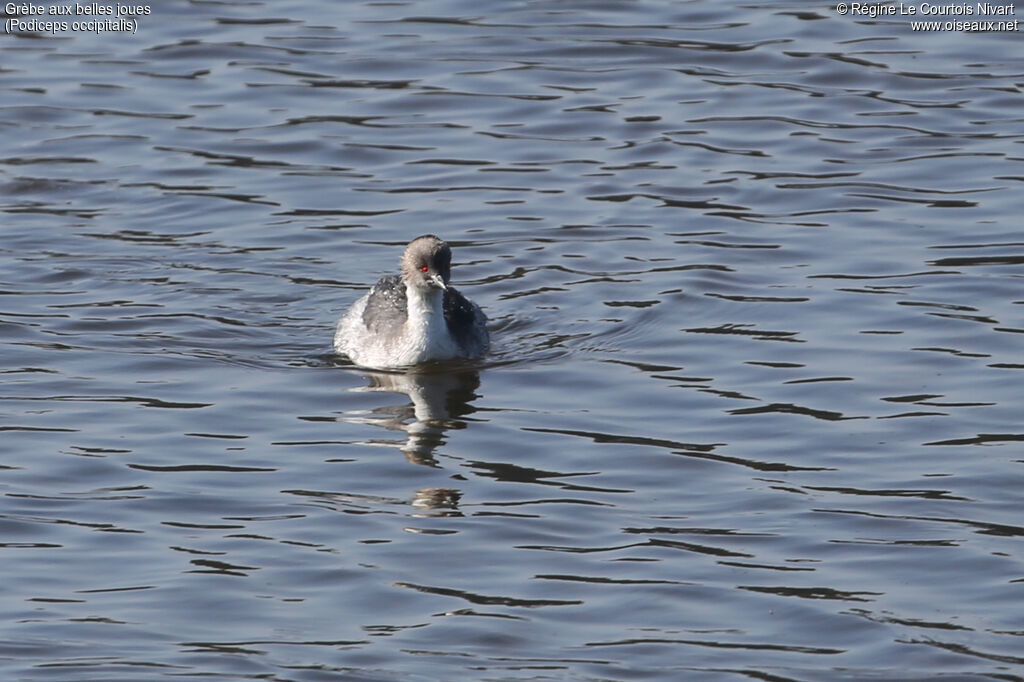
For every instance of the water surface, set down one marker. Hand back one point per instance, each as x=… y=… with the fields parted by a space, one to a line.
x=754 y=278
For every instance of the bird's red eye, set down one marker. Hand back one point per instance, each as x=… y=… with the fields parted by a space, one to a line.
x=424 y=268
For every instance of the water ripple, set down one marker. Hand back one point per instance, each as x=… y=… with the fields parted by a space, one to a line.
x=753 y=280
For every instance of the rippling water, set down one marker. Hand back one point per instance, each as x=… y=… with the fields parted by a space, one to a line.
x=753 y=412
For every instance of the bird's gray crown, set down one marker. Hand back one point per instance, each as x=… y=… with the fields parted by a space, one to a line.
x=427 y=263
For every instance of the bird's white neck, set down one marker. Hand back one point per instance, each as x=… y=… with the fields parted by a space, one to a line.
x=425 y=324
x=424 y=306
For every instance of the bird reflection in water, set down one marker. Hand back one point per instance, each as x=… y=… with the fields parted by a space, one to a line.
x=440 y=401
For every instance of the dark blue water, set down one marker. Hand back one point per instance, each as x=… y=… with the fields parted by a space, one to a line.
x=753 y=410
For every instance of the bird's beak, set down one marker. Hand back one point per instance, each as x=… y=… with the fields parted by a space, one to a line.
x=436 y=280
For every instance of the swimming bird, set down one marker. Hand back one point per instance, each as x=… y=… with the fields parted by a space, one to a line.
x=415 y=316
